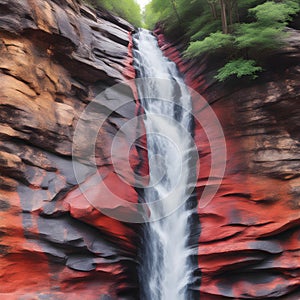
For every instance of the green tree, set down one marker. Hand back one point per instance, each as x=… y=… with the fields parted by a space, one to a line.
x=224 y=16
x=150 y=17
x=215 y=41
x=268 y=30
x=126 y=9
x=249 y=40
x=244 y=31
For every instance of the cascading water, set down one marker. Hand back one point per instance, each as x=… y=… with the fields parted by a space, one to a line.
x=166 y=269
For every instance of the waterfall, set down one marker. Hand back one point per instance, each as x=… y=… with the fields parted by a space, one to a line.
x=165 y=269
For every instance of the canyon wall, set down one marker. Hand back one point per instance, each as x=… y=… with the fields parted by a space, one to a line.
x=249 y=246
x=56 y=56
x=56 y=59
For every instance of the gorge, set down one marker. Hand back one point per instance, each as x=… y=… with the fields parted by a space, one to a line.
x=59 y=57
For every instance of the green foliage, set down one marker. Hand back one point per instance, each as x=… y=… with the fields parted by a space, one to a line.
x=126 y=9
x=275 y=14
x=258 y=37
x=204 y=25
x=267 y=31
x=151 y=17
x=239 y=67
x=264 y=32
x=213 y=42
x=206 y=29
x=159 y=10
x=252 y=27
x=188 y=16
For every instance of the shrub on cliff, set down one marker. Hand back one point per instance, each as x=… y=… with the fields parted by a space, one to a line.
x=239 y=67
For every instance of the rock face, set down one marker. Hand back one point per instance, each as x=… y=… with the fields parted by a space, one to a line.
x=249 y=246
x=55 y=57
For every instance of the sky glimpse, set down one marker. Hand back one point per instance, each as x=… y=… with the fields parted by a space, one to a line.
x=143 y=3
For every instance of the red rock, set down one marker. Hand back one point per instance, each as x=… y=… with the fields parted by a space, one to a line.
x=249 y=242
x=55 y=57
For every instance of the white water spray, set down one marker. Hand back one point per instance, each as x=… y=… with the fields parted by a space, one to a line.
x=165 y=272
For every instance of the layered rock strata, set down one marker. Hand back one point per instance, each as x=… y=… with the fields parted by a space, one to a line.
x=249 y=246
x=56 y=56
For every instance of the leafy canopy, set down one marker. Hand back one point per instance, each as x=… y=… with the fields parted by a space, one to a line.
x=267 y=32
x=243 y=30
x=126 y=9
x=211 y=43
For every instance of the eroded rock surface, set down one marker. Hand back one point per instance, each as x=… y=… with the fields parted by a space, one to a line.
x=55 y=57
x=249 y=246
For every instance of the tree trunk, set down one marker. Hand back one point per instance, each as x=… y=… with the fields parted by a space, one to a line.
x=224 y=17
x=230 y=13
x=213 y=10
